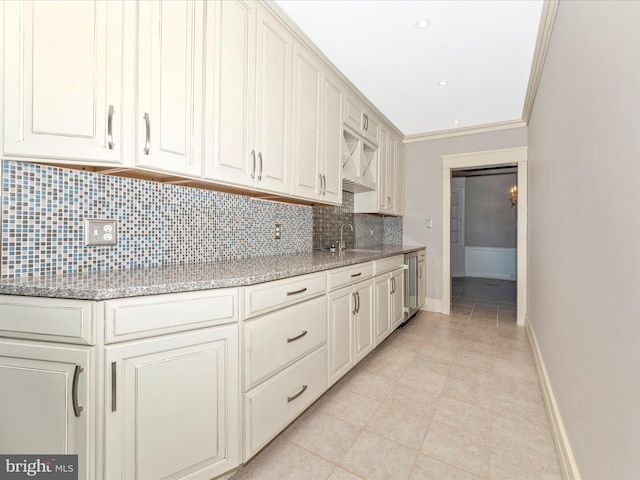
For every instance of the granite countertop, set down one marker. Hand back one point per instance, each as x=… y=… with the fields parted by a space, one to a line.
x=191 y=276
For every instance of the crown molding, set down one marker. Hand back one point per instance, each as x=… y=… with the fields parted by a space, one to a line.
x=547 y=19
x=458 y=132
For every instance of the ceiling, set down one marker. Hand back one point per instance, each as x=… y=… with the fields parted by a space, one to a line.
x=484 y=50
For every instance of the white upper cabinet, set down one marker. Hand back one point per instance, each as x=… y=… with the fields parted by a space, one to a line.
x=308 y=180
x=398 y=177
x=65 y=89
x=169 y=103
x=361 y=119
x=332 y=139
x=230 y=92
x=274 y=72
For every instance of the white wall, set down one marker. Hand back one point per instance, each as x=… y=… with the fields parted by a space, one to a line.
x=423 y=193
x=584 y=231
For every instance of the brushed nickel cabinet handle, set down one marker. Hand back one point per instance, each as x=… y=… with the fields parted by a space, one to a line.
x=291 y=399
x=355 y=304
x=358 y=303
x=113 y=387
x=110 y=128
x=393 y=286
x=356 y=274
x=147 y=138
x=324 y=182
x=295 y=292
x=253 y=169
x=77 y=409
x=260 y=171
x=297 y=337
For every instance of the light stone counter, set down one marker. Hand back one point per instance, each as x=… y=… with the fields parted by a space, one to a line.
x=191 y=276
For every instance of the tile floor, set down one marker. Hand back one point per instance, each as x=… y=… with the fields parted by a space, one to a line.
x=446 y=397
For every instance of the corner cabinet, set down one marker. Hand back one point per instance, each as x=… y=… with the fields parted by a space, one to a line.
x=66 y=95
x=151 y=395
x=170 y=90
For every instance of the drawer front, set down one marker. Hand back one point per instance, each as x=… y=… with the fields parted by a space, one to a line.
x=387 y=264
x=49 y=319
x=266 y=297
x=341 y=277
x=270 y=407
x=139 y=317
x=279 y=338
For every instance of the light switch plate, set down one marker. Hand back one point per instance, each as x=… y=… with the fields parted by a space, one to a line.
x=100 y=232
x=428 y=223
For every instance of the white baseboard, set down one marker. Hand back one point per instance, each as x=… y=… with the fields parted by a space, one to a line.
x=432 y=305
x=563 y=447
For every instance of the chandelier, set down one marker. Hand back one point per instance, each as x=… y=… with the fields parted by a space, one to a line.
x=513 y=196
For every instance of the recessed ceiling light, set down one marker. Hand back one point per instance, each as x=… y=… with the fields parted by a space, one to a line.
x=456 y=122
x=443 y=83
x=423 y=23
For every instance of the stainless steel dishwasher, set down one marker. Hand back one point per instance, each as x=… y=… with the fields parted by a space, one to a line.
x=411 y=305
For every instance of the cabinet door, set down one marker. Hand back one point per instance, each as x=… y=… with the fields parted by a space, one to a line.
x=332 y=139
x=307 y=102
x=397 y=297
x=385 y=170
x=354 y=113
x=38 y=397
x=169 y=108
x=340 y=338
x=398 y=187
x=172 y=406
x=382 y=316
x=371 y=127
x=63 y=79
x=273 y=104
x=364 y=319
x=230 y=92
x=422 y=286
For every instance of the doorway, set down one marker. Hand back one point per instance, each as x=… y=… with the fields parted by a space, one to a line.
x=514 y=157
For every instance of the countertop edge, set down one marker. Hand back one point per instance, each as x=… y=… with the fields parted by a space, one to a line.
x=71 y=286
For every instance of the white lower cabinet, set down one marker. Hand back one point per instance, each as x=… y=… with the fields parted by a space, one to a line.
x=397 y=298
x=46 y=404
x=172 y=406
x=382 y=319
x=350 y=318
x=271 y=406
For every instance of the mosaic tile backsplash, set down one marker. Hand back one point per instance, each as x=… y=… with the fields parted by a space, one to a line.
x=44 y=207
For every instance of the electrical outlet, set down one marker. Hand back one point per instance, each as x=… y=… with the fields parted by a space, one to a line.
x=100 y=232
x=277 y=232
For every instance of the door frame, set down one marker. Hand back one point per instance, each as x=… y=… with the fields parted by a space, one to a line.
x=489 y=158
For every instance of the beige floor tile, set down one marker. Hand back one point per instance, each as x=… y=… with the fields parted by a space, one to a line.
x=404 y=426
x=348 y=406
x=408 y=398
x=407 y=340
x=376 y=365
x=371 y=386
x=480 y=333
x=517 y=387
x=325 y=435
x=476 y=391
x=374 y=457
x=532 y=437
x=484 y=348
x=341 y=474
x=417 y=375
x=289 y=461
x=510 y=330
x=512 y=355
x=520 y=344
x=460 y=319
x=457 y=448
x=464 y=416
x=509 y=464
x=427 y=468
x=519 y=407
x=524 y=370
x=438 y=352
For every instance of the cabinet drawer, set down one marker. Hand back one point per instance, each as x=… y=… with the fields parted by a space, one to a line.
x=387 y=264
x=270 y=296
x=277 y=339
x=270 y=407
x=49 y=319
x=139 y=317
x=344 y=276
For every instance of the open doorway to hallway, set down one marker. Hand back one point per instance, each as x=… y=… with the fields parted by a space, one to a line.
x=477 y=267
x=484 y=243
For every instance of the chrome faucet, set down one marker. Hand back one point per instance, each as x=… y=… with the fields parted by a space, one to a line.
x=341 y=245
